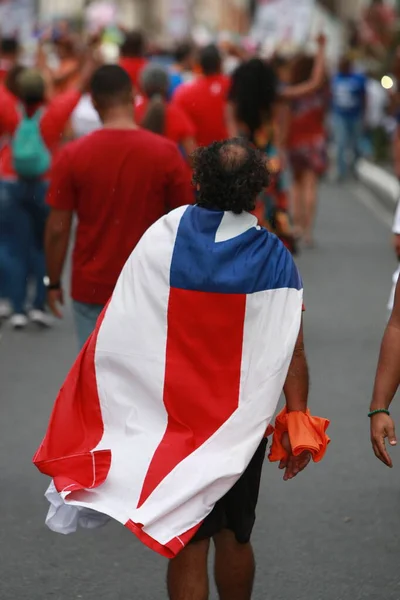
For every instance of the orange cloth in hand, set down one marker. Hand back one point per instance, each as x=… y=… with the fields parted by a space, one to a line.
x=305 y=433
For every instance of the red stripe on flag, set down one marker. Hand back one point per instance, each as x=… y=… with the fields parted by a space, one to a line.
x=171 y=548
x=202 y=376
x=76 y=427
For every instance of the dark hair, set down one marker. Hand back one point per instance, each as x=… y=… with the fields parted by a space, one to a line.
x=30 y=87
x=154 y=82
x=183 y=51
x=9 y=46
x=133 y=44
x=302 y=69
x=11 y=80
x=229 y=175
x=110 y=86
x=253 y=93
x=345 y=65
x=210 y=60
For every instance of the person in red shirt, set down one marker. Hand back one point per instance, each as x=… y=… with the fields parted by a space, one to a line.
x=118 y=180
x=23 y=209
x=204 y=100
x=132 y=56
x=155 y=114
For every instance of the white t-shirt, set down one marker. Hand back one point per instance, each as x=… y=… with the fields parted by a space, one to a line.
x=377 y=100
x=85 y=118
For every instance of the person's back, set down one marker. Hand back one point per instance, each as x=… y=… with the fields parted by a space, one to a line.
x=121 y=182
x=204 y=100
x=161 y=422
x=118 y=180
x=348 y=90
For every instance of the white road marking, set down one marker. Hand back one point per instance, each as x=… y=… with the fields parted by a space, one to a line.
x=372 y=174
x=367 y=199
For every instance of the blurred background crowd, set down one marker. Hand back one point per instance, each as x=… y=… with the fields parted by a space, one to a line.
x=315 y=85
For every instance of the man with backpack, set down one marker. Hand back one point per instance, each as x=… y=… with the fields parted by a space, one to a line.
x=35 y=132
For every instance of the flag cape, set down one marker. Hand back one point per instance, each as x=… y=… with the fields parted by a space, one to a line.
x=169 y=399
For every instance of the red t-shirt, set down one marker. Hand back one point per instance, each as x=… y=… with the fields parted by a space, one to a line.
x=204 y=101
x=178 y=126
x=133 y=66
x=9 y=111
x=119 y=182
x=52 y=124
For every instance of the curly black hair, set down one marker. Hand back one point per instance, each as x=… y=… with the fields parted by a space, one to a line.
x=253 y=93
x=229 y=175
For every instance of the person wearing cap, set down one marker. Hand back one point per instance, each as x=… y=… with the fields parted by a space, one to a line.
x=22 y=201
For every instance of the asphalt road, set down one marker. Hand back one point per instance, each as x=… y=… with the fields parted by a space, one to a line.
x=331 y=534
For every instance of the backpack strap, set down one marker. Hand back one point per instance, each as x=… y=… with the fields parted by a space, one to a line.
x=38 y=114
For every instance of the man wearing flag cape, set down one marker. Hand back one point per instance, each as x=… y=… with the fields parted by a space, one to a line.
x=161 y=423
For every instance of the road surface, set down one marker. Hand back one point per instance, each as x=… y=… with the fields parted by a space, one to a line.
x=331 y=534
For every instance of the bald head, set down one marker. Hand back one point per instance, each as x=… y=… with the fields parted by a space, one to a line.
x=230 y=175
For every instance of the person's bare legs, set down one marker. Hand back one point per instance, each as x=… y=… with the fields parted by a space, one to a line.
x=234 y=567
x=187 y=577
x=309 y=185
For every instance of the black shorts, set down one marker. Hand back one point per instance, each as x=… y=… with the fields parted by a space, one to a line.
x=236 y=510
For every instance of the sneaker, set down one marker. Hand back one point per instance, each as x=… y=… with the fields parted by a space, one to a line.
x=18 y=321
x=39 y=317
x=5 y=310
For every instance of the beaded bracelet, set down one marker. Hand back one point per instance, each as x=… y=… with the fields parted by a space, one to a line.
x=377 y=411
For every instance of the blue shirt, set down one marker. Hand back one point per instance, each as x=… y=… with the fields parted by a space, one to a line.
x=175 y=80
x=349 y=94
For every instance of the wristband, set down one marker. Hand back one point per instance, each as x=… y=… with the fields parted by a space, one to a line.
x=54 y=286
x=377 y=411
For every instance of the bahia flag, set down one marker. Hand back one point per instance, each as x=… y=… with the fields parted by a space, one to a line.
x=173 y=392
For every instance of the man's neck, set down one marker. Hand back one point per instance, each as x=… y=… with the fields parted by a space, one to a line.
x=119 y=118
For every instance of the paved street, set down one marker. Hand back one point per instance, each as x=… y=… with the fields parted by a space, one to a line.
x=332 y=534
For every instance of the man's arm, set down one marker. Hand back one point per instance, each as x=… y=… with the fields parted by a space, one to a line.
x=316 y=80
x=297 y=381
x=387 y=380
x=296 y=394
x=61 y=198
x=387 y=377
x=58 y=230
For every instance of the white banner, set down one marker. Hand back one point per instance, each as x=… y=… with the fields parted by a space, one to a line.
x=279 y=22
x=179 y=18
x=17 y=18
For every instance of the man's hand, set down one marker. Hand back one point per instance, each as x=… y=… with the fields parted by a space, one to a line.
x=293 y=464
x=54 y=299
x=382 y=426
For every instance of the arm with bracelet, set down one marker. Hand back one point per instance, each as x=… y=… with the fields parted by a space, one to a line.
x=387 y=381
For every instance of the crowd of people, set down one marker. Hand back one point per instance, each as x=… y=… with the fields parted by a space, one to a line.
x=184 y=183
x=74 y=136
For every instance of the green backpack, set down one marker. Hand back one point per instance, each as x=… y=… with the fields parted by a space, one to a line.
x=31 y=158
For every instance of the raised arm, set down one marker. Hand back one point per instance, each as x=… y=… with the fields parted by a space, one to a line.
x=316 y=80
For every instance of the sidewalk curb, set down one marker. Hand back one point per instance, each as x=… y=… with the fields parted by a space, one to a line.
x=383 y=184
